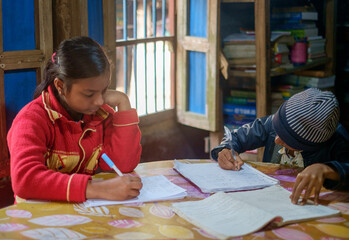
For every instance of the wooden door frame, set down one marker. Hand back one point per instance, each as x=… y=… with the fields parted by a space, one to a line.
x=209 y=46
x=36 y=58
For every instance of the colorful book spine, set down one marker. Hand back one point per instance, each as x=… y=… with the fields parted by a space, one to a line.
x=240 y=101
x=295 y=15
x=231 y=109
x=243 y=94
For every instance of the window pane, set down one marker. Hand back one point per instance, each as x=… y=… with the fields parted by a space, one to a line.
x=197 y=82
x=159 y=13
x=147 y=80
x=143 y=68
x=133 y=15
x=198 y=18
x=126 y=15
x=13 y=18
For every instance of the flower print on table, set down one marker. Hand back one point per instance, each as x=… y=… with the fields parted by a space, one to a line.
x=291 y=234
x=136 y=204
x=176 y=232
x=134 y=236
x=286 y=171
x=18 y=213
x=284 y=178
x=95 y=230
x=333 y=230
x=343 y=207
x=335 y=196
x=53 y=233
x=204 y=233
x=95 y=211
x=162 y=211
x=10 y=227
x=131 y=212
x=60 y=220
x=331 y=220
x=125 y=223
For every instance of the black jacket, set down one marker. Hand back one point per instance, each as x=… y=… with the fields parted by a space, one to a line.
x=260 y=133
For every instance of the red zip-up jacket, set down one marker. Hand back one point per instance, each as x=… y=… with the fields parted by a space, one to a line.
x=53 y=157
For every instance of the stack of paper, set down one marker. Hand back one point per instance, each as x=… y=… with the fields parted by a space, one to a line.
x=210 y=178
x=155 y=188
x=239 y=213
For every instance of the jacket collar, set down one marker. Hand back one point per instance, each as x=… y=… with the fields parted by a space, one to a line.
x=56 y=111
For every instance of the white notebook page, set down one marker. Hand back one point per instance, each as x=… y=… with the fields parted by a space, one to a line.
x=210 y=178
x=155 y=188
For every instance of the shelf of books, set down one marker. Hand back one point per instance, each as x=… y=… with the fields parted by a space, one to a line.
x=298 y=58
x=234 y=72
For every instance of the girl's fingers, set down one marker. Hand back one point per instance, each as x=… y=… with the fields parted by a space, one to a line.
x=317 y=193
x=307 y=193
x=297 y=190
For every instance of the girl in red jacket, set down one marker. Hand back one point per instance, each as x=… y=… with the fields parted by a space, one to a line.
x=56 y=141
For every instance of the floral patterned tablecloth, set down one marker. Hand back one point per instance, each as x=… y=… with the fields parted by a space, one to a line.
x=155 y=220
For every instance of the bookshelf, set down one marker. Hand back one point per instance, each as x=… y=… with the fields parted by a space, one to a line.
x=206 y=46
x=263 y=73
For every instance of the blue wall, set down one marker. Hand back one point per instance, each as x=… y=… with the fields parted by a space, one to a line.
x=18 y=34
x=95 y=20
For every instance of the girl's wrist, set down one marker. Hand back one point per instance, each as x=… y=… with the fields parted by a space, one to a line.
x=330 y=173
x=118 y=100
x=91 y=190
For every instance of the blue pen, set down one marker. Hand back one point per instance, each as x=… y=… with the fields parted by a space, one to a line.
x=111 y=164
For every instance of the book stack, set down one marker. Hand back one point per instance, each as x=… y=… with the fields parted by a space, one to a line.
x=299 y=21
x=239 y=108
x=240 y=49
x=240 y=53
x=305 y=82
x=281 y=56
x=316 y=48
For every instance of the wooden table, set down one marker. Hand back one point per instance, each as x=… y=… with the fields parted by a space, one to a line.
x=155 y=220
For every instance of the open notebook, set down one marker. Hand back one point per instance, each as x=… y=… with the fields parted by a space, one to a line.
x=239 y=213
x=210 y=178
x=155 y=188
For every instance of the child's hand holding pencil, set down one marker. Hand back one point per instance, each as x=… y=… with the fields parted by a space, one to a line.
x=120 y=188
x=229 y=159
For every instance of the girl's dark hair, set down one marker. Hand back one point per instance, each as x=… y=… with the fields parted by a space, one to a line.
x=75 y=58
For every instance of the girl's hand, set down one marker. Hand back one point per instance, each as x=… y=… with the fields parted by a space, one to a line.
x=226 y=160
x=116 y=189
x=312 y=178
x=117 y=99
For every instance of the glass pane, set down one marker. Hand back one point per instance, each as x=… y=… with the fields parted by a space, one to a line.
x=95 y=20
x=197 y=82
x=198 y=18
x=147 y=79
x=164 y=23
x=159 y=10
x=135 y=18
x=18 y=25
x=19 y=89
x=125 y=17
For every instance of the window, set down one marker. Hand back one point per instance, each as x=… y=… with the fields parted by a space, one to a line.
x=144 y=53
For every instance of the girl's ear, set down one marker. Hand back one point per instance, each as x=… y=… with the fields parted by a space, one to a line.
x=59 y=85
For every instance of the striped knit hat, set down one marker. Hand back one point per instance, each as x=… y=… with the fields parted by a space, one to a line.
x=308 y=119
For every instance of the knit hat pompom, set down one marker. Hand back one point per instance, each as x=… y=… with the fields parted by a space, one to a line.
x=308 y=119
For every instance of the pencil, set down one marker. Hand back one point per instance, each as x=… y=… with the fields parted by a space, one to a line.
x=111 y=164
